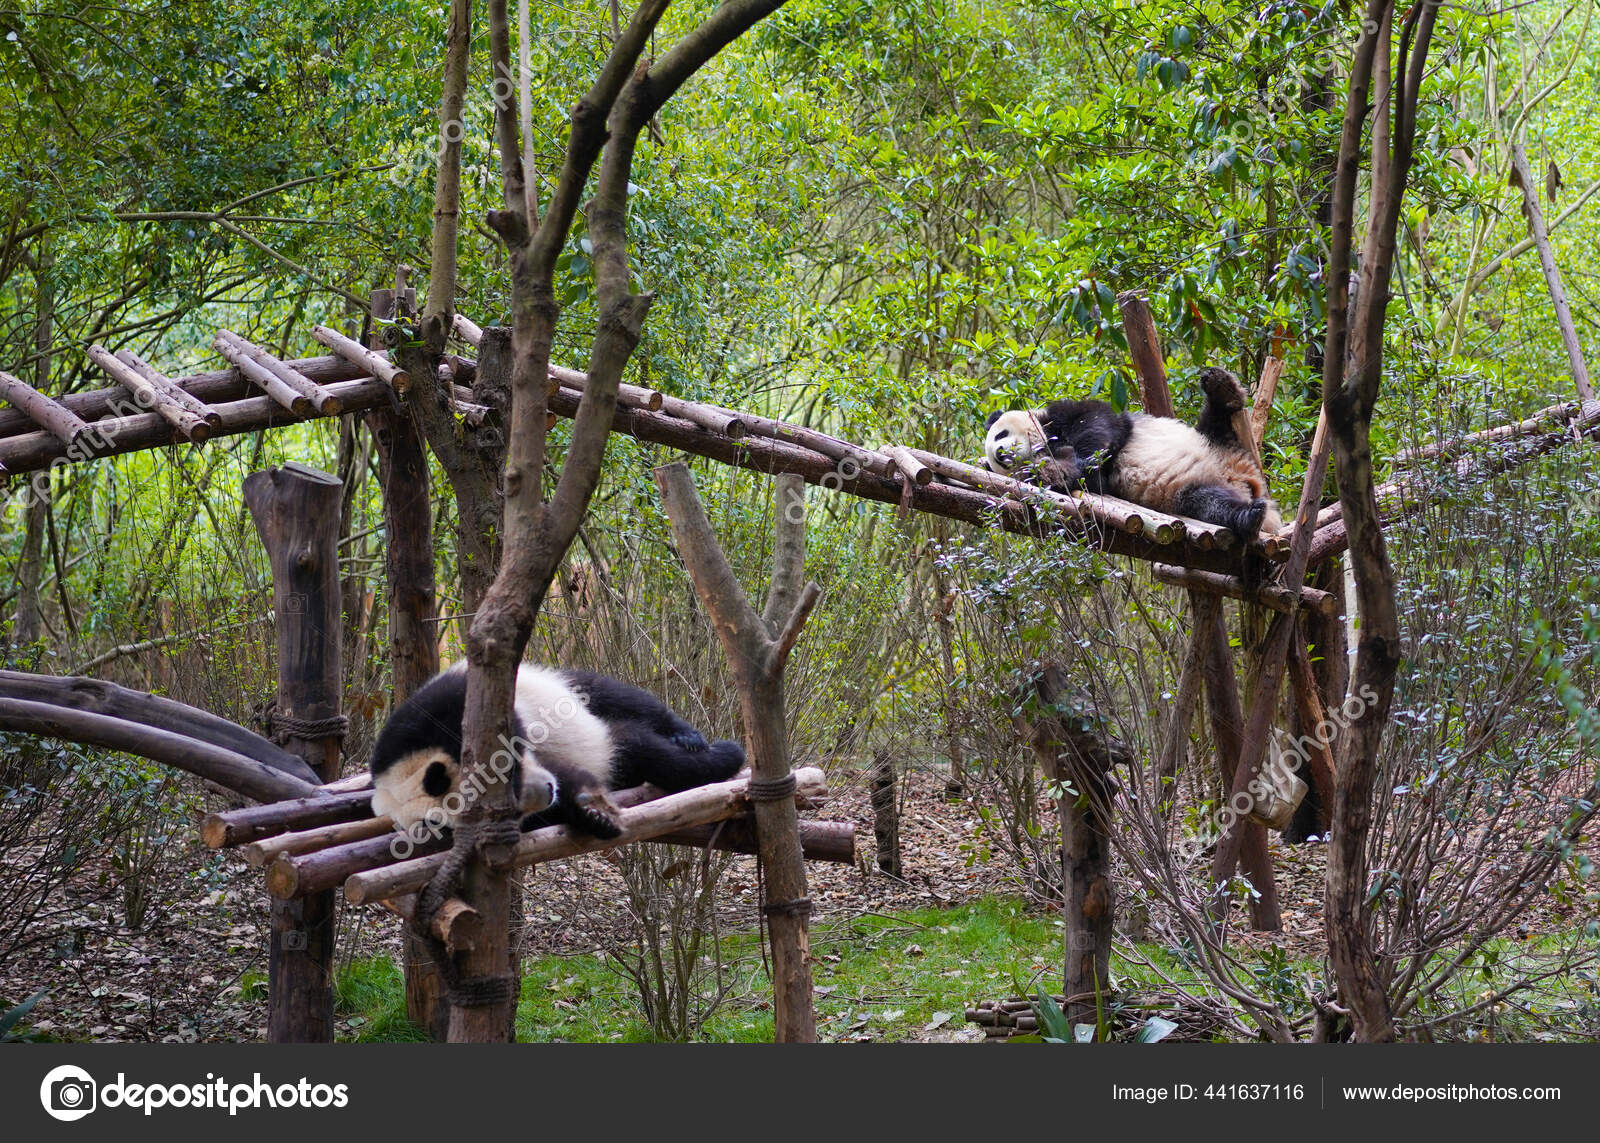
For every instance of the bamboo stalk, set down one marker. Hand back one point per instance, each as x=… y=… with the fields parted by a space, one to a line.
x=281 y=381
x=174 y=391
x=1275 y=596
x=1552 y=274
x=639 y=823
x=359 y=355
x=196 y=429
x=56 y=419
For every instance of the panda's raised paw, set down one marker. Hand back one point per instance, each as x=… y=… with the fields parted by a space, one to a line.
x=1223 y=388
x=596 y=814
x=690 y=740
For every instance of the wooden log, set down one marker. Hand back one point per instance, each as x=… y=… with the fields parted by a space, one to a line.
x=1523 y=178
x=1211 y=636
x=30 y=452
x=297 y=874
x=243 y=826
x=910 y=467
x=59 y=421
x=628 y=396
x=639 y=823
x=1453 y=447
x=1176 y=744
x=234 y=771
x=1144 y=343
x=1084 y=759
x=466 y=329
x=292 y=387
x=819 y=841
x=297 y=512
x=267 y=850
x=1266 y=389
x=769 y=456
x=1106 y=511
x=213 y=387
x=757 y=647
x=358 y=781
x=100 y=697
x=366 y=359
x=195 y=427
x=1271 y=595
x=172 y=388
x=1319 y=754
x=711 y=418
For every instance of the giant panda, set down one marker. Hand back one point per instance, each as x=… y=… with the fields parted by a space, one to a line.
x=1201 y=472
x=575 y=736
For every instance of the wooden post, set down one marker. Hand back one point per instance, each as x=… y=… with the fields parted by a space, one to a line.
x=1222 y=687
x=1523 y=178
x=1083 y=759
x=296 y=511
x=413 y=643
x=758 y=648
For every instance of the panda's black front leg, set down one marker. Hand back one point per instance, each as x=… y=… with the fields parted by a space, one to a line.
x=587 y=806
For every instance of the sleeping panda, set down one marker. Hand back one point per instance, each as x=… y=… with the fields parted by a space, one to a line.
x=575 y=736
x=1202 y=472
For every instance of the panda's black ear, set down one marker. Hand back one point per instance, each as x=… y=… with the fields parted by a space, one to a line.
x=436 y=780
x=993 y=417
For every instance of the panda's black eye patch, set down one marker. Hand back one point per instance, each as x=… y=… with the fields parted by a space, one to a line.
x=436 y=780
x=1002 y=434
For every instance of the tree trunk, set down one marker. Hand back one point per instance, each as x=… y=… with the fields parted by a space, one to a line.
x=758 y=649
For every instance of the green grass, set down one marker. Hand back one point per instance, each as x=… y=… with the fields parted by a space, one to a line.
x=888 y=976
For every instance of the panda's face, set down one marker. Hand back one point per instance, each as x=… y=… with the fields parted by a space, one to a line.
x=1012 y=441
x=423 y=786
x=415 y=785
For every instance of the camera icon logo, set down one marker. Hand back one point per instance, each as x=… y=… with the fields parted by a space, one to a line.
x=68 y=1093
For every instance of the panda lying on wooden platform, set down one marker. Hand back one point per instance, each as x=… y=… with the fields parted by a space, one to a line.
x=1203 y=472
x=575 y=736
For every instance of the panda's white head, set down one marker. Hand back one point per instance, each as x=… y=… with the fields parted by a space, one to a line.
x=1013 y=440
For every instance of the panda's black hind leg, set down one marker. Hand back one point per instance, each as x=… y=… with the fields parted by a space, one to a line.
x=644 y=754
x=1224 y=397
x=1220 y=504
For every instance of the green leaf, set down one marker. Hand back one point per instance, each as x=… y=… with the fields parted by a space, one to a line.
x=1155 y=1030
x=12 y=1017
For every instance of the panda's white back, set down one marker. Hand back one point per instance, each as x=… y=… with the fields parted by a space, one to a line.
x=557 y=725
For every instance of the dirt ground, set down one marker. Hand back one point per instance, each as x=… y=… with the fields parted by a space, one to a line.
x=196 y=970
